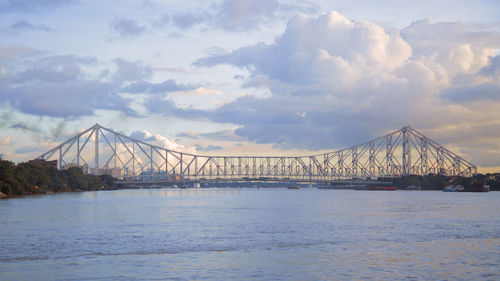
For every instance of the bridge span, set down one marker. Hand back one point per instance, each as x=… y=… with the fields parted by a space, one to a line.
x=100 y=150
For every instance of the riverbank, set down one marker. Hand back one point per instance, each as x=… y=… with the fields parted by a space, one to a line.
x=40 y=177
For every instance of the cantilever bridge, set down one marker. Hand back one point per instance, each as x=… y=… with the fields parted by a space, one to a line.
x=99 y=150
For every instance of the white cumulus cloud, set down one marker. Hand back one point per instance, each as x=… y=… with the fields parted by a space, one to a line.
x=357 y=79
x=161 y=141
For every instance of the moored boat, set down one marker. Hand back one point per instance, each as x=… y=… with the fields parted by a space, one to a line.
x=479 y=186
x=453 y=188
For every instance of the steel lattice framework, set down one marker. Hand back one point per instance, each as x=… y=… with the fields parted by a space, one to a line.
x=100 y=150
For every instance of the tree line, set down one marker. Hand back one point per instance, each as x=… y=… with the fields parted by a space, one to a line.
x=33 y=178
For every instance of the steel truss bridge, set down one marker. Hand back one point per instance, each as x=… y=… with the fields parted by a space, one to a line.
x=99 y=150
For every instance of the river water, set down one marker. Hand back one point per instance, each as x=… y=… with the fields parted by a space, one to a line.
x=251 y=234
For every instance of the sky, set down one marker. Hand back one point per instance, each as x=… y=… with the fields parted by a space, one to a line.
x=260 y=77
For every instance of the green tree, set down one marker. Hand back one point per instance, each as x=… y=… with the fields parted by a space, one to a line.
x=75 y=179
x=108 y=181
x=8 y=182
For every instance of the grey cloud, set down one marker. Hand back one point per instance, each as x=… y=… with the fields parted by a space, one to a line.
x=241 y=15
x=224 y=135
x=59 y=86
x=480 y=141
x=14 y=52
x=59 y=130
x=481 y=156
x=237 y=15
x=187 y=135
x=168 y=107
x=25 y=127
x=187 y=20
x=241 y=57
x=208 y=147
x=487 y=91
x=27 y=149
x=469 y=134
x=215 y=51
x=62 y=86
x=26 y=26
x=130 y=71
x=423 y=34
x=127 y=27
x=29 y=6
x=54 y=69
x=161 y=141
x=143 y=136
x=162 y=21
x=166 y=86
x=275 y=120
x=493 y=69
x=65 y=99
x=467 y=89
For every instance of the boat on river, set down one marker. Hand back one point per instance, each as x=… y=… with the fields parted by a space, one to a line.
x=454 y=188
x=479 y=186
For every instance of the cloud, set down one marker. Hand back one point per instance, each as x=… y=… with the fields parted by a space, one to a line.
x=336 y=82
x=486 y=91
x=168 y=107
x=54 y=69
x=6 y=140
x=187 y=135
x=30 y=6
x=166 y=86
x=22 y=25
x=127 y=28
x=237 y=15
x=27 y=149
x=161 y=141
x=131 y=71
x=25 y=127
x=208 y=147
x=65 y=99
x=223 y=135
x=187 y=20
x=457 y=47
x=62 y=86
x=13 y=52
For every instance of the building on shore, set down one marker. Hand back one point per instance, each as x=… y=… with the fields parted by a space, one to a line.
x=41 y=162
x=116 y=173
